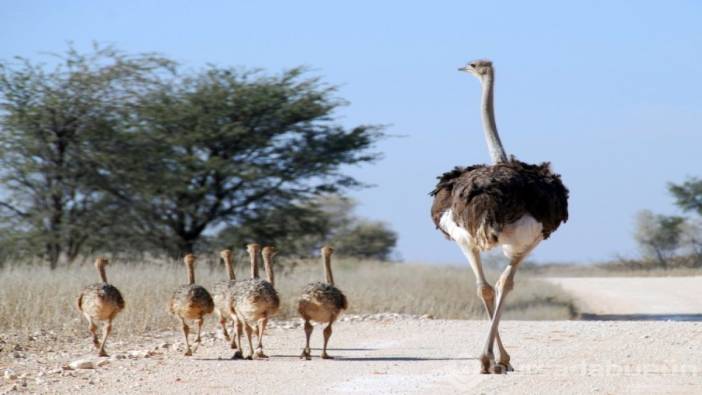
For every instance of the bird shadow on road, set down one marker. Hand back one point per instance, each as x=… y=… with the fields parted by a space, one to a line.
x=640 y=317
x=400 y=359
x=345 y=349
x=342 y=359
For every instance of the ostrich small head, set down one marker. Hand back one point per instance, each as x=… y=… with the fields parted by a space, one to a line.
x=253 y=248
x=480 y=68
x=269 y=251
x=226 y=254
x=101 y=261
x=327 y=251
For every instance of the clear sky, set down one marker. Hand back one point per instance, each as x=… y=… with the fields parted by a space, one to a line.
x=609 y=92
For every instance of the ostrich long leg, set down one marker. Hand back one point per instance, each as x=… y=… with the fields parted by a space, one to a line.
x=327 y=335
x=238 y=354
x=487 y=294
x=504 y=286
x=306 y=352
x=236 y=335
x=198 y=341
x=261 y=328
x=107 y=330
x=249 y=331
x=199 y=329
x=223 y=324
x=93 y=329
x=186 y=331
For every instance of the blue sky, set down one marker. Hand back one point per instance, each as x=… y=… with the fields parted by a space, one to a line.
x=609 y=92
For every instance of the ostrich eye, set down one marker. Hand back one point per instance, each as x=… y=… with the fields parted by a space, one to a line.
x=472 y=65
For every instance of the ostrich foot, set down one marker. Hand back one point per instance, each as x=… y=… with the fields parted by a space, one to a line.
x=260 y=355
x=326 y=356
x=238 y=355
x=506 y=366
x=487 y=364
x=188 y=352
x=102 y=353
x=305 y=355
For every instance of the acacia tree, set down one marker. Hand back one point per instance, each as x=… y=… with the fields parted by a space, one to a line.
x=296 y=230
x=54 y=123
x=301 y=229
x=659 y=236
x=366 y=239
x=688 y=195
x=228 y=146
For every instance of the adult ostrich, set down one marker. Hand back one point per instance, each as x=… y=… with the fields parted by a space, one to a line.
x=510 y=203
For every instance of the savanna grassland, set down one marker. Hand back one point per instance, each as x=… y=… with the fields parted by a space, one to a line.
x=426 y=348
x=35 y=297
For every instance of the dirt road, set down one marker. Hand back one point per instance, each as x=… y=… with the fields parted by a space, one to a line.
x=394 y=354
x=380 y=356
x=662 y=298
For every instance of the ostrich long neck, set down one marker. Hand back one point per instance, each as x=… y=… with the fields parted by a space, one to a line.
x=497 y=152
x=191 y=273
x=254 y=264
x=267 y=264
x=101 y=270
x=230 y=269
x=328 y=276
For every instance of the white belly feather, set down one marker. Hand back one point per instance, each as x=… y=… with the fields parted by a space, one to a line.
x=516 y=238
x=457 y=233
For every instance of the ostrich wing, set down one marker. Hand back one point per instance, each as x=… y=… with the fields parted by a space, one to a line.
x=486 y=198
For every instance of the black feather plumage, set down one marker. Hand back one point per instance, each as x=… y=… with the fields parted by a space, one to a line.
x=497 y=195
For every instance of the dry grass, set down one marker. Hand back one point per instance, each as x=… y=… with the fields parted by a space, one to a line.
x=614 y=269
x=34 y=297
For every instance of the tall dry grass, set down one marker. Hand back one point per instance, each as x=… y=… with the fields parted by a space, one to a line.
x=608 y=269
x=32 y=297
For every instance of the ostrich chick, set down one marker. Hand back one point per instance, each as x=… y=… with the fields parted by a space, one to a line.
x=191 y=302
x=255 y=302
x=321 y=302
x=100 y=302
x=221 y=295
